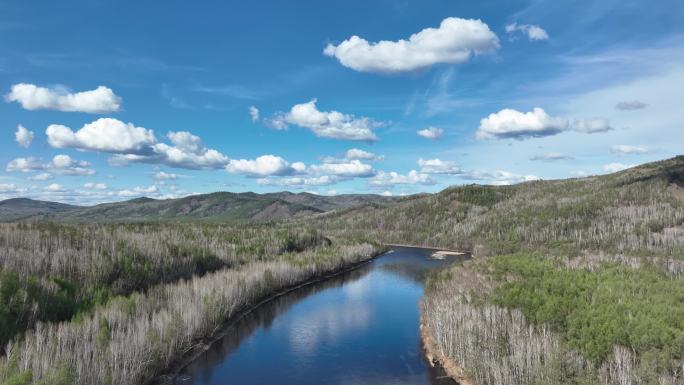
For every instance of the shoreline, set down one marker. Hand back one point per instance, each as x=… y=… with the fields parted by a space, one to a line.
x=436 y=249
x=170 y=374
x=435 y=357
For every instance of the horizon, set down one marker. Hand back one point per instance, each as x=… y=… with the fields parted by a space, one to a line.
x=295 y=192
x=321 y=98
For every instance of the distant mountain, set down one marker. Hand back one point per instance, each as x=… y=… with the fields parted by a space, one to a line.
x=17 y=208
x=214 y=206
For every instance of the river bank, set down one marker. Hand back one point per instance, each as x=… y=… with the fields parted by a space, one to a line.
x=436 y=359
x=169 y=376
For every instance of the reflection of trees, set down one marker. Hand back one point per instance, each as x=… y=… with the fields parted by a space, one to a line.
x=417 y=270
x=436 y=374
x=263 y=317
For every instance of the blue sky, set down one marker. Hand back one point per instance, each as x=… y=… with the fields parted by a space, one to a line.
x=106 y=101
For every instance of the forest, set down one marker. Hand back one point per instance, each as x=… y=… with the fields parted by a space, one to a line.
x=120 y=303
x=572 y=281
x=581 y=305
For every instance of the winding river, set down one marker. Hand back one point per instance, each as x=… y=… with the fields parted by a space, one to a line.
x=358 y=328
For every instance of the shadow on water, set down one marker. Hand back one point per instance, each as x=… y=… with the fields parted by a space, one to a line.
x=357 y=328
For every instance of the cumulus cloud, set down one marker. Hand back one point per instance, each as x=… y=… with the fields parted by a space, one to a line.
x=265 y=165
x=54 y=187
x=65 y=165
x=161 y=175
x=300 y=182
x=356 y=153
x=393 y=178
x=591 y=126
x=625 y=149
x=433 y=133
x=512 y=124
x=24 y=165
x=332 y=124
x=137 y=144
x=23 y=136
x=499 y=178
x=551 y=156
x=630 y=105
x=438 y=166
x=60 y=164
x=138 y=191
x=10 y=188
x=615 y=167
x=349 y=169
x=533 y=32
x=104 y=134
x=454 y=41
x=187 y=151
x=97 y=101
x=254 y=113
x=41 y=176
x=95 y=186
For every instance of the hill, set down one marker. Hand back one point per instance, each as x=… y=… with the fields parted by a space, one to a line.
x=635 y=211
x=17 y=208
x=214 y=206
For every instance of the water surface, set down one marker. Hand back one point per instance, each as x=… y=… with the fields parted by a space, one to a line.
x=358 y=328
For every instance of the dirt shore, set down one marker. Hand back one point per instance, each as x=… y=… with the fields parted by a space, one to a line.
x=436 y=358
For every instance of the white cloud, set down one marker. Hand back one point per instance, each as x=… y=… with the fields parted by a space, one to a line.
x=551 y=156
x=454 y=41
x=161 y=175
x=533 y=32
x=433 y=133
x=265 y=165
x=438 y=166
x=499 y=177
x=8 y=187
x=627 y=149
x=104 y=134
x=54 y=187
x=591 y=126
x=65 y=165
x=24 y=165
x=31 y=97
x=392 y=178
x=386 y=193
x=95 y=186
x=333 y=124
x=139 y=191
x=23 y=136
x=349 y=169
x=356 y=153
x=630 y=105
x=615 y=167
x=60 y=164
x=512 y=124
x=41 y=176
x=323 y=180
x=254 y=113
x=185 y=151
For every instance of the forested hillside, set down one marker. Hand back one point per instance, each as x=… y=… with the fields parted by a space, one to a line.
x=639 y=211
x=573 y=281
x=214 y=207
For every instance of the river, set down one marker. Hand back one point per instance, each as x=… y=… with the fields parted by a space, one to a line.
x=358 y=328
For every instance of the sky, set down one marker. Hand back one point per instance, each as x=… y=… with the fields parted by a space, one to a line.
x=104 y=101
